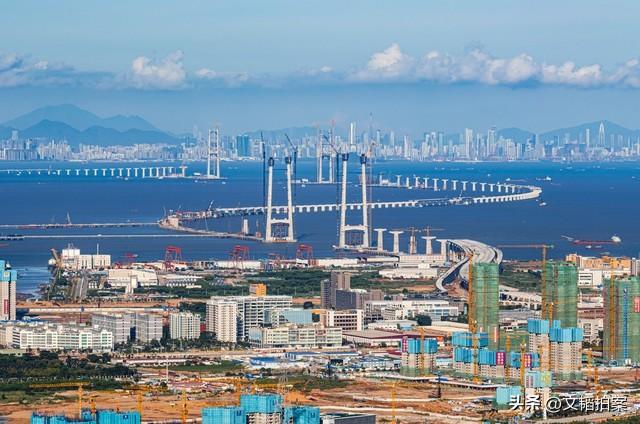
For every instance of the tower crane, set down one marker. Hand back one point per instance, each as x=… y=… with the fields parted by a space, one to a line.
x=80 y=388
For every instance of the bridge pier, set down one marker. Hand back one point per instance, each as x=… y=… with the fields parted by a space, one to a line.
x=128 y=172
x=455 y=184
x=473 y=186
x=499 y=187
x=120 y=170
x=416 y=182
x=444 y=249
x=426 y=182
x=482 y=186
x=444 y=184
x=396 y=240
x=380 y=239
x=464 y=185
x=491 y=187
x=435 y=184
x=428 y=244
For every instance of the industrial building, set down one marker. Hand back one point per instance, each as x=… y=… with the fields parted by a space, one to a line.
x=409 y=308
x=561 y=280
x=621 y=344
x=8 y=281
x=292 y=335
x=486 y=301
x=74 y=260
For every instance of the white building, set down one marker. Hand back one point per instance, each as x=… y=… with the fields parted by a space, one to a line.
x=48 y=336
x=148 y=327
x=118 y=324
x=347 y=319
x=8 y=281
x=125 y=277
x=222 y=319
x=73 y=260
x=184 y=325
x=251 y=310
x=403 y=309
x=296 y=336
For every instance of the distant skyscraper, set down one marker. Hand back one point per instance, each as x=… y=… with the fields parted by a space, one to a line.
x=601 y=135
x=243 y=146
x=587 y=138
x=491 y=140
x=8 y=281
x=352 y=137
x=468 y=140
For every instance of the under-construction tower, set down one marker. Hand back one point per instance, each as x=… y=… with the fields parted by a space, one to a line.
x=325 y=150
x=622 y=321
x=363 y=229
x=279 y=229
x=561 y=287
x=486 y=301
x=213 y=151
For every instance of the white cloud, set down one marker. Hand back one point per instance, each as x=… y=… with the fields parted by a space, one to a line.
x=227 y=78
x=391 y=63
x=478 y=66
x=164 y=74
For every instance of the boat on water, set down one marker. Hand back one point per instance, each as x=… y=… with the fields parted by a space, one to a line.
x=590 y=244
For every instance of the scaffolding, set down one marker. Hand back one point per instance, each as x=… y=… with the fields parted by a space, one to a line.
x=561 y=287
x=487 y=300
x=622 y=321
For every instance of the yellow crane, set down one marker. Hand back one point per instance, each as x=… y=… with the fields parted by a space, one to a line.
x=421 y=357
x=79 y=385
x=184 y=410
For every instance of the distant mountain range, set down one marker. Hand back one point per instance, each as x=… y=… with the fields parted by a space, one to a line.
x=79 y=126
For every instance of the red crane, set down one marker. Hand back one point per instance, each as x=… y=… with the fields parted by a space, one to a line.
x=172 y=254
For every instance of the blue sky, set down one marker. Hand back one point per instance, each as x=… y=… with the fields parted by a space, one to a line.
x=417 y=65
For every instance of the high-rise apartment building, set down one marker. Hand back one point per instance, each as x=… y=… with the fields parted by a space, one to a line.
x=562 y=292
x=339 y=280
x=486 y=301
x=184 y=325
x=222 y=319
x=118 y=324
x=148 y=327
x=621 y=342
x=8 y=281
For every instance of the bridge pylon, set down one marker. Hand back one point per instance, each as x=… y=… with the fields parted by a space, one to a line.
x=364 y=205
x=287 y=221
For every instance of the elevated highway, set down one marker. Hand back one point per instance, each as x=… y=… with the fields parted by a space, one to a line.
x=463 y=247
